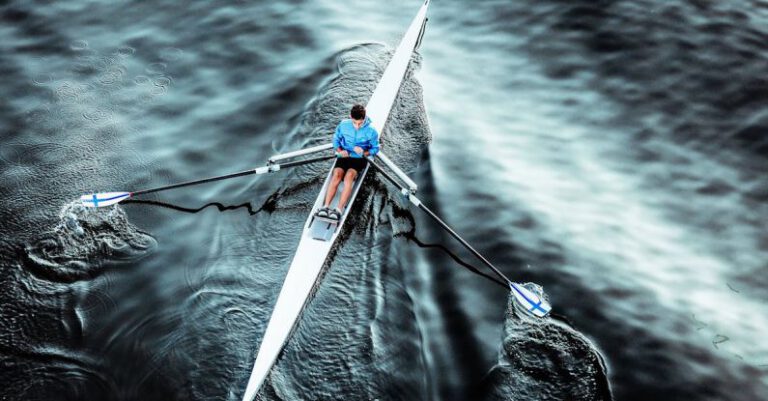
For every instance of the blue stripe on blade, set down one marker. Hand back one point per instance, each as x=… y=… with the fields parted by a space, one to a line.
x=96 y=200
x=534 y=305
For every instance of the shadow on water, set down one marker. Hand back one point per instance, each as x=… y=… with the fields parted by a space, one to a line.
x=554 y=347
x=268 y=206
x=411 y=236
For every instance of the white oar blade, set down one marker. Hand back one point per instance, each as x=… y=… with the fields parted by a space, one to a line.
x=103 y=199
x=530 y=301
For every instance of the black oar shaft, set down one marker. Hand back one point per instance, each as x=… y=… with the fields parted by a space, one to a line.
x=462 y=241
x=233 y=175
x=196 y=182
x=443 y=224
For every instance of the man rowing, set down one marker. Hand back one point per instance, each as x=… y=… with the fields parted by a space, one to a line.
x=354 y=140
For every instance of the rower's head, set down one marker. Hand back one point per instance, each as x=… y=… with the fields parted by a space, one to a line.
x=357 y=113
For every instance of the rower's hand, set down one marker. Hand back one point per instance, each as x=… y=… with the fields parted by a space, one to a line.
x=358 y=150
x=344 y=153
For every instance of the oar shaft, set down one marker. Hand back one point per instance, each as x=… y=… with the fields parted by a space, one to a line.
x=273 y=167
x=195 y=182
x=462 y=241
x=439 y=221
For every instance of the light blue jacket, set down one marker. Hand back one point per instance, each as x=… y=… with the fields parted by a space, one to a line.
x=347 y=137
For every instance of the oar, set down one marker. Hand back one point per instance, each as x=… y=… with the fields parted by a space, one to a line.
x=103 y=199
x=534 y=304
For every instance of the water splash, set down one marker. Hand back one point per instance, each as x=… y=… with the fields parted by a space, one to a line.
x=545 y=359
x=85 y=239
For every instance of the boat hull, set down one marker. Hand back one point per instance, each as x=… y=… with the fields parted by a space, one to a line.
x=316 y=242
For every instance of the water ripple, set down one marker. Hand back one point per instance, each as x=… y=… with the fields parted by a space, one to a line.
x=86 y=239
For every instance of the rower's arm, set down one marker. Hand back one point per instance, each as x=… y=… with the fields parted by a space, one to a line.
x=374 y=139
x=337 y=139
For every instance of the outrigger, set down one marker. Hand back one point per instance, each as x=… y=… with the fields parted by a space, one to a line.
x=319 y=234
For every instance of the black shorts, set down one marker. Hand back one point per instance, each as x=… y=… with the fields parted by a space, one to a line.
x=355 y=163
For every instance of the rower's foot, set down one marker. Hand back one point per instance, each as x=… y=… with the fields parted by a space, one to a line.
x=334 y=214
x=323 y=212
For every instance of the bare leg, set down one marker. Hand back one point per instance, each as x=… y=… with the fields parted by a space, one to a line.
x=349 y=181
x=333 y=186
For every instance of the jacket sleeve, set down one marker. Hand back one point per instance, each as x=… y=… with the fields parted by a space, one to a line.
x=337 y=138
x=374 y=142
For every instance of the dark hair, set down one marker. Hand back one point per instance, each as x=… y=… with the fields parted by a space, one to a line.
x=357 y=112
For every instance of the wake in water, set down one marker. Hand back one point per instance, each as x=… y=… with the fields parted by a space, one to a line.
x=545 y=359
x=84 y=240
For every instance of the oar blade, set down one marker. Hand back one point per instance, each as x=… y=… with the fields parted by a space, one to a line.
x=530 y=301
x=103 y=199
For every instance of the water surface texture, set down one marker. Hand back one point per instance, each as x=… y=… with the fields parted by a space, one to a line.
x=612 y=152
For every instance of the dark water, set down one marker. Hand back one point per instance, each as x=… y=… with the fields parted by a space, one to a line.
x=613 y=152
